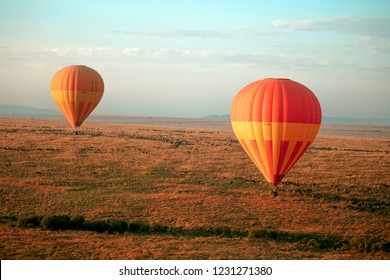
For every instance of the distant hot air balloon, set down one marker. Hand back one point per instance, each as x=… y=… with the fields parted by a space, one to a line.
x=275 y=121
x=77 y=90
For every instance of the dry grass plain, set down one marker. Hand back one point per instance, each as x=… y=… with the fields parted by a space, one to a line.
x=199 y=186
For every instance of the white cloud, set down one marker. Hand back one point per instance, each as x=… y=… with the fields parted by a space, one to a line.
x=173 y=33
x=84 y=51
x=112 y=58
x=131 y=51
x=363 y=26
x=309 y=24
x=374 y=45
x=57 y=51
x=102 y=49
x=160 y=52
x=325 y=62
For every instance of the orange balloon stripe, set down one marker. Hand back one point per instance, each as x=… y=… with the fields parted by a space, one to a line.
x=88 y=110
x=276 y=100
x=80 y=110
x=71 y=107
x=282 y=156
x=77 y=78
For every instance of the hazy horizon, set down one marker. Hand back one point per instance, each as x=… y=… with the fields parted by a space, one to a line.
x=24 y=112
x=189 y=59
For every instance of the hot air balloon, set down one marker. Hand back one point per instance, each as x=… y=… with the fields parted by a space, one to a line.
x=275 y=121
x=77 y=90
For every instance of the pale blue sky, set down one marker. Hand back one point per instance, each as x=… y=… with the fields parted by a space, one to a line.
x=190 y=58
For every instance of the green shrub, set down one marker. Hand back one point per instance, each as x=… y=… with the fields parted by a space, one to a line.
x=138 y=226
x=313 y=243
x=176 y=231
x=386 y=246
x=134 y=227
x=30 y=222
x=325 y=243
x=376 y=246
x=124 y=226
x=263 y=233
x=106 y=226
x=223 y=231
x=365 y=245
x=274 y=234
x=55 y=222
x=117 y=226
x=11 y=220
x=159 y=228
x=76 y=222
x=98 y=226
x=255 y=233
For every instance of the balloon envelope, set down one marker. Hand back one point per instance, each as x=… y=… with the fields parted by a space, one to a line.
x=275 y=121
x=77 y=90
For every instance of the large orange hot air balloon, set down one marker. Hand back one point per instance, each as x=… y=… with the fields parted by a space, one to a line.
x=275 y=121
x=77 y=90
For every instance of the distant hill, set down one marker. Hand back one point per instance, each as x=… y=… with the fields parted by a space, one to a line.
x=216 y=117
x=18 y=109
x=325 y=120
x=356 y=121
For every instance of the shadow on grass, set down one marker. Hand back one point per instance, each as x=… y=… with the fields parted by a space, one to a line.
x=371 y=205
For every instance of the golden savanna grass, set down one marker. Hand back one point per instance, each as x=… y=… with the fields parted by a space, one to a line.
x=189 y=179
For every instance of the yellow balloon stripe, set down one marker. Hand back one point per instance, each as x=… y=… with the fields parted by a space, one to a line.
x=262 y=132
x=77 y=96
x=64 y=109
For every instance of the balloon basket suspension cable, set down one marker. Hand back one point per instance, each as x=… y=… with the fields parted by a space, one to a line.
x=274 y=191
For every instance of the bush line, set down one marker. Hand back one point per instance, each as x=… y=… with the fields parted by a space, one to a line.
x=313 y=241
